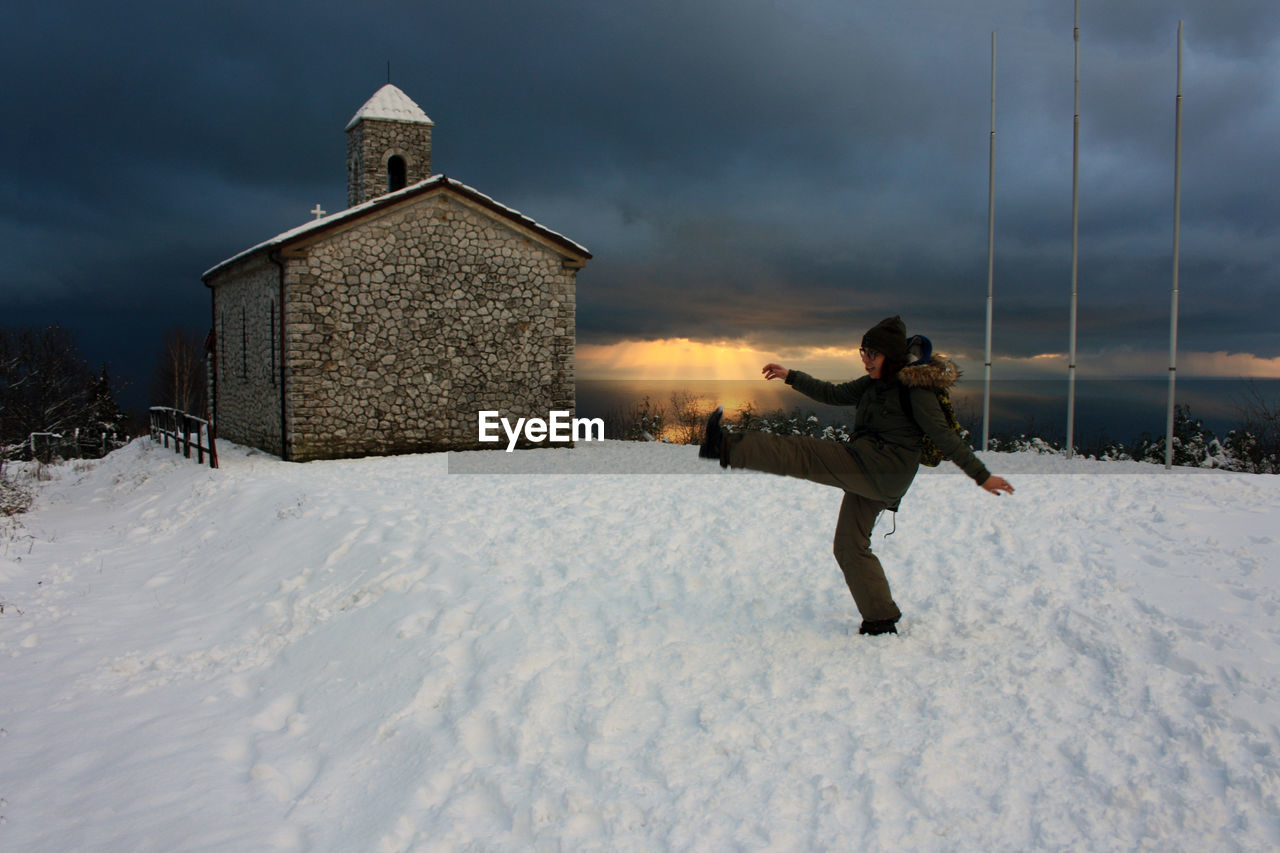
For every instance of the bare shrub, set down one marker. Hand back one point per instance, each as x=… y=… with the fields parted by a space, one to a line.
x=687 y=419
x=15 y=498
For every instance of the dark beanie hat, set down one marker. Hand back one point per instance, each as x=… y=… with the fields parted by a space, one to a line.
x=889 y=336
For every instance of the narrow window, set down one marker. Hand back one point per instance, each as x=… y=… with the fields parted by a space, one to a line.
x=244 y=344
x=396 y=174
x=271 y=344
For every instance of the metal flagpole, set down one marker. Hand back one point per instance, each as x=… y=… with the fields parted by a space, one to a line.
x=991 y=252
x=1075 y=247
x=1177 y=215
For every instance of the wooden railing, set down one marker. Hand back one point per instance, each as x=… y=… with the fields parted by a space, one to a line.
x=179 y=426
x=76 y=443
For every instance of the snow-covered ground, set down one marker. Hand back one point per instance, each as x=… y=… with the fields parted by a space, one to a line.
x=385 y=655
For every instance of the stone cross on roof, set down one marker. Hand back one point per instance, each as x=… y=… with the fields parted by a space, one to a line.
x=317 y=211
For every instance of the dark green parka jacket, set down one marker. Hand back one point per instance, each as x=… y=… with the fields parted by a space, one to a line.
x=886 y=440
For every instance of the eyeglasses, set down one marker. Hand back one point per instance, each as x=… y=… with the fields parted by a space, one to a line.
x=868 y=354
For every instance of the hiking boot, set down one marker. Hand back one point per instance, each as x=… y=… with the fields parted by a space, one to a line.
x=879 y=626
x=711 y=437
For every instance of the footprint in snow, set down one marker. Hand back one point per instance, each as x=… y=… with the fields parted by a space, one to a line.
x=281 y=715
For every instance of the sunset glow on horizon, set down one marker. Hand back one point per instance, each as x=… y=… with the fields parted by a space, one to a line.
x=670 y=358
x=686 y=359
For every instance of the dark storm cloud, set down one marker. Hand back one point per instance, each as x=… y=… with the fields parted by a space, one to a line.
x=784 y=172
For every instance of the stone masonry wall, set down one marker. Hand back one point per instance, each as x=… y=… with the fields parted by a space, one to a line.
x=401 y=329
x=247 y=334
x=371 y=143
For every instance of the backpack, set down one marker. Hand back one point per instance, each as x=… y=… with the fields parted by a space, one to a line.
x=930 y=455
x=921 y=350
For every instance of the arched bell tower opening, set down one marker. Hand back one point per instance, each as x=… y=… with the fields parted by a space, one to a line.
x=388 y=146
x=396 y=173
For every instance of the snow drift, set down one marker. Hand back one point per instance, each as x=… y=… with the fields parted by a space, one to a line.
x=382 y=655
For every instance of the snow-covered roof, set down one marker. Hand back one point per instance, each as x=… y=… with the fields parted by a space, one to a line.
x=392 y=104
x=434 y=182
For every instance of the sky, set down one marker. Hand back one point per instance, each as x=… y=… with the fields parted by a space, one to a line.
x=756 y=180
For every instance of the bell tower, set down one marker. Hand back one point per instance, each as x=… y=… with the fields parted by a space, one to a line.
x=388 y=146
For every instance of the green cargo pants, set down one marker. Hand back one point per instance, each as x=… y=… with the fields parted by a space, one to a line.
x=829 y=463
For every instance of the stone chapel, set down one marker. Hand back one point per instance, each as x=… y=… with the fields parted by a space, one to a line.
x=387 y=327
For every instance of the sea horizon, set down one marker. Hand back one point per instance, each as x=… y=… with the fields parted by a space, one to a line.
x=1106 y=411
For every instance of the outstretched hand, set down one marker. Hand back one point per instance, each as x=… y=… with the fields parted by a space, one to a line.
x=775 y=371
x=995 y=485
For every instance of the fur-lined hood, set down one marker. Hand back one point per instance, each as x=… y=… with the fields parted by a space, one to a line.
x=937 y=374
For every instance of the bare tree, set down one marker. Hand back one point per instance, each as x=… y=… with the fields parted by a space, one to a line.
x=45 y=385
x=180 y=372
